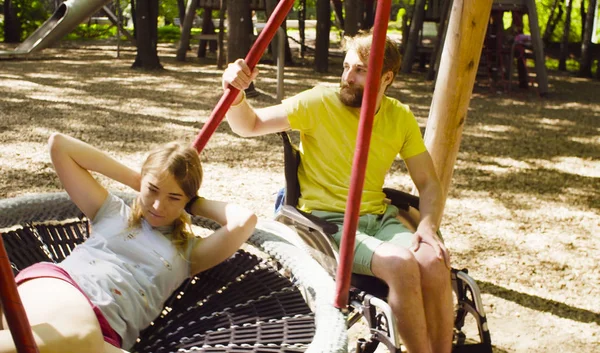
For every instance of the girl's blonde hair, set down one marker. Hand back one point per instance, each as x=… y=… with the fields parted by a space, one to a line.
x=183 y=163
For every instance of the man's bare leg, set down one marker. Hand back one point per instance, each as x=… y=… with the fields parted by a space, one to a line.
x=399 y=268
x=436 y=287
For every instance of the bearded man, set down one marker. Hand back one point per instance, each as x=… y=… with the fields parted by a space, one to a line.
x=415 y=265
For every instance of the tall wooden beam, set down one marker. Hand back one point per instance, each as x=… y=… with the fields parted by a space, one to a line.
x=454 y=86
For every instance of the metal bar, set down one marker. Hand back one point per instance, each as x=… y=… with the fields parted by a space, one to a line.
x=13 y=308
x=281 y=37
x=265 y=37
x=363 y=141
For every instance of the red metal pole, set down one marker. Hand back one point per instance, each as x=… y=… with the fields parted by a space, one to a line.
x=13 y=308
x=254 y=55
x=363 y=141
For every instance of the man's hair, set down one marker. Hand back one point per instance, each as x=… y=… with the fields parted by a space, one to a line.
x=361 y=43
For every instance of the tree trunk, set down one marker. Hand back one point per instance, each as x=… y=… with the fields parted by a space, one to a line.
x=412 y=42
x=583 y=16
x=238 y=38
x=585 y=67
x=301 y=27
x=323 y=30
x=270 y=7
x=12 y=29
x=338 y=10
x=564 y=44
x=238 y=35
x=181 y=11
x=147 y=35
x=369 y=14
x=207 y=28
x=354 y=17
x=133 y=17
x=553 y=21
x=188 y=22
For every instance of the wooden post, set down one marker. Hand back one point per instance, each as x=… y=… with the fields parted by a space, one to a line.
x=462 y=50
x=538 y=48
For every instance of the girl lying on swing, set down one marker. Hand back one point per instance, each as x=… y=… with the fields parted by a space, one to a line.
x=116 y=282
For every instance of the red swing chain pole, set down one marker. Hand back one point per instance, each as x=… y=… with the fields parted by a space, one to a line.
x=13 y=308
x=363 y=141
x=254 y=55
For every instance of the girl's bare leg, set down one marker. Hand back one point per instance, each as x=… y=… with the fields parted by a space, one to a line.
x=60 y=316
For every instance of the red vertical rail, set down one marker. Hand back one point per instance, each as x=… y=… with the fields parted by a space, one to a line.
x=13 y=308
x=363 y=141
x=254 y=55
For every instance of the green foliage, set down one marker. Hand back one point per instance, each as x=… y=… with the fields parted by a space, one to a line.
x=168 y=9
x=544 y=9
x=572 y=64
x=32 y=14
x=92 y=31
x=169 y=33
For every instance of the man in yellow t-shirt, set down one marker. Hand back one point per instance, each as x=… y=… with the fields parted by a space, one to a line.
x=415 y=266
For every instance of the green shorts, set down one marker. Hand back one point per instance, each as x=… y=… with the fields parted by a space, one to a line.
x=372 y=231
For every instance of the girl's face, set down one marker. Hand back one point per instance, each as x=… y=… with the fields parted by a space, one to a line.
x=161 y=199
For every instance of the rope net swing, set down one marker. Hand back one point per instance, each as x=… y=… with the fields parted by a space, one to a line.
x=260 y=300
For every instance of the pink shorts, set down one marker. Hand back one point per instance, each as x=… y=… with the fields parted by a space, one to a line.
x=50 y=270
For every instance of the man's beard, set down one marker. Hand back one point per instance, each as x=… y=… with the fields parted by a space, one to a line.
x=351 y=95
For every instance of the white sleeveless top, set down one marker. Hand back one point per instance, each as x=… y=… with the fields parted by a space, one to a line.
x=127 y=273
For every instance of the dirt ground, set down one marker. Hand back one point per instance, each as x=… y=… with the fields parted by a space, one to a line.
x=523 y=213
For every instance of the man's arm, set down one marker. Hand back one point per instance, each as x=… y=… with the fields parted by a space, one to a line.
x=431 y=204
x=242 y=117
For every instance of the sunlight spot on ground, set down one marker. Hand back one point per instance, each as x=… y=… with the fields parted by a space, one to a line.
x=75 y=99
x=48 y=76
x=18 y=85
x=577 y=166
x=511 y=102
x=12 y=100
x=592 y=140
x=9 y=76
x=490 y=135
x=573 y=105
x=41 y=131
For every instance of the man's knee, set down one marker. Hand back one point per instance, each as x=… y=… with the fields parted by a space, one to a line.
x=396 y=265
x=434 y=272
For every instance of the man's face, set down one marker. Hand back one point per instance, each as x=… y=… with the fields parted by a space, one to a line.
x=352 y=85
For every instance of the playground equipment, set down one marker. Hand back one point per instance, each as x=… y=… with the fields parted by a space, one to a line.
x=66 y=17
x=442 y=138
x=498 y=53
x=244 y=303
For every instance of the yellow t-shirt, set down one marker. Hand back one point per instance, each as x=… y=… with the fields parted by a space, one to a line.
x=328 y=131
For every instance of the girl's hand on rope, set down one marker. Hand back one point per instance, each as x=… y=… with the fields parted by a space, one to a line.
x=239 y=76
